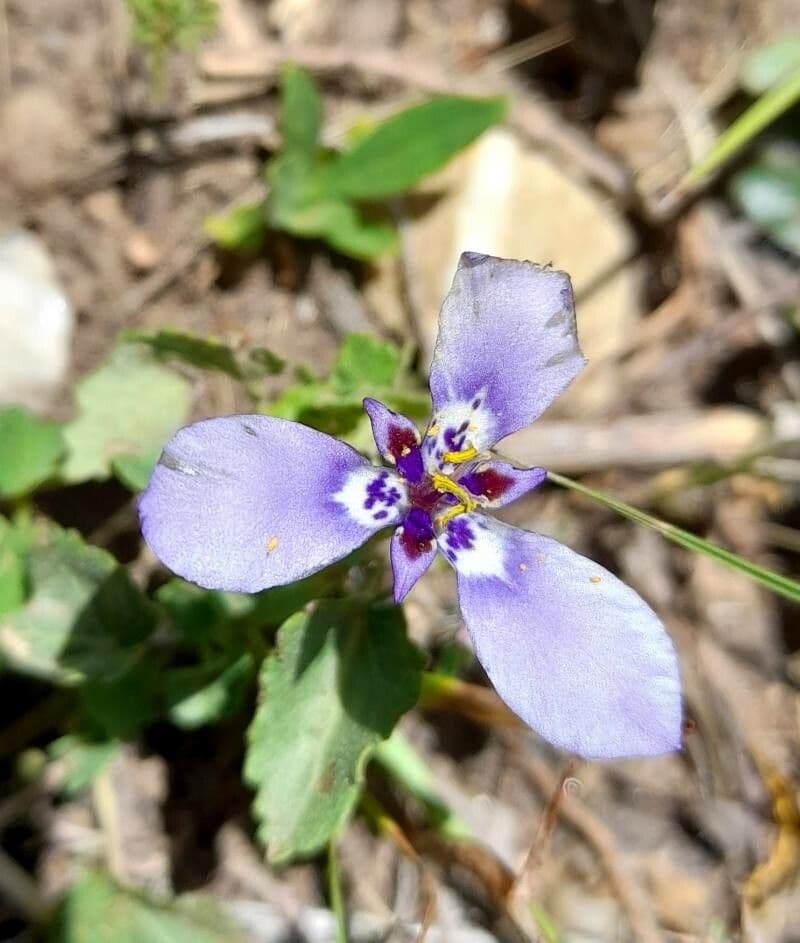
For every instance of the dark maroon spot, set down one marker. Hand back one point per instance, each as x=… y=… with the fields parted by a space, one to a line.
x=400 y=438
x=423 y=496
x=489 y=484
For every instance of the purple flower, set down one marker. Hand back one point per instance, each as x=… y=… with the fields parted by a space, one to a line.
x=247 y=502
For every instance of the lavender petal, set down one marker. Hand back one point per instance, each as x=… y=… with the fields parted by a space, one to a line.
x=507 y=347
x=243 y=503
x=572 y=650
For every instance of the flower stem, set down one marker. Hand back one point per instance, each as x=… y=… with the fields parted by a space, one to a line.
x=776 y=582
x=335 y=893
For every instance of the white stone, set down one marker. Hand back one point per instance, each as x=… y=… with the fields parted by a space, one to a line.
x=36 y=323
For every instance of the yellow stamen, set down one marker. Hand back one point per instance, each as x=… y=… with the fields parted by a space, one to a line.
x=444 y=485
x=434 y=430
x=449 y=514
x=272 y=544
x=455 y=458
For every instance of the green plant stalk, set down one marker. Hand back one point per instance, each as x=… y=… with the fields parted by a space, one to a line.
x=399 y=760
x=781 y=585
x=766 y=109
x=335 y=895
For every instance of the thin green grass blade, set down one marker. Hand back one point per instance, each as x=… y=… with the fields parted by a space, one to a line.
x=766 y=109
x=335 y=893
x=781 y=585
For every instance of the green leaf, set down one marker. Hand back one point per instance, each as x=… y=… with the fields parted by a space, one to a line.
x=272 y=607
x=207 y=693
x=83 y=761
x=96 y=910
x=768 y=108
x=118 y=708
x=263 y=363
x=364 y=367
x=169 y=24
x=301 y=111
x=768 y=192
x=196 y=613
x=205 y=353
x=339 y=680
x=350 y=232
x=300 y=204
x=767 y=66
x=297 y=201
x=129 y=407
x=775 y=582
x=29 y=451
x=401 y=761
x=410 y=145
x=134 y=470
x=83 y=617
x=243 y=229
x=365 y=361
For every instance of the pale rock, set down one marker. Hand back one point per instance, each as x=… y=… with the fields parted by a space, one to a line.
x=504 y=199
x=36 y=323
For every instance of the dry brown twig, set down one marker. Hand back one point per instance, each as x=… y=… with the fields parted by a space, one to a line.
x=579 y=817
x=575 y=813
x=179 y=261
x=525 y=889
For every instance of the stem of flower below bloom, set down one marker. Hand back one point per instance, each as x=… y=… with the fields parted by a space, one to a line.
x=782 y=585
x=446 y=693
x=335 y=893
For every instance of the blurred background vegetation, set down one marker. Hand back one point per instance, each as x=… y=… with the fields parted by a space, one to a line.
x=212 y=206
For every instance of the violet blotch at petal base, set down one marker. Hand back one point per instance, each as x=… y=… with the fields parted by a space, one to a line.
x=572 y=650
x=243 y=503
x=412 y=550
x=397 y=440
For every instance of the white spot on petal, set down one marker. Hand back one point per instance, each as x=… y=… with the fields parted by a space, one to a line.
x=373 y=497
x=482 y=555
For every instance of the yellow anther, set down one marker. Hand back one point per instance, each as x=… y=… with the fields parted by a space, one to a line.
x=595 y=579
x=449 y=514
x=456 y=458
x=445 y=485
x=405 y=451
x=272 y=544
x=434 y=430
